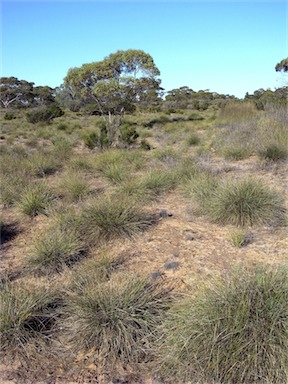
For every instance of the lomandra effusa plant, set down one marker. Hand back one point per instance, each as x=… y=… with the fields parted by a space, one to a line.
x=116 y=320
x=233 y=332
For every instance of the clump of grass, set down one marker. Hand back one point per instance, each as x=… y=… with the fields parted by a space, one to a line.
x=193 y=139
x=166 y=155
x=157 y=182
x=35 y=199
x=273 y=152
x=237 y=237
x=54 y=250
x=237 y=202
x=236 y=152
x=79 y=164
x=26 y=318
x=115 y=216
x=75 y=186
x=115 y=172
x=117 y=319
x=43 y=164
x=244 y=202
x=234 y=332
x=11 y=187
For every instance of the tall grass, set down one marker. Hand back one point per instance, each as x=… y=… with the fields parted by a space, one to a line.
x=234 y=332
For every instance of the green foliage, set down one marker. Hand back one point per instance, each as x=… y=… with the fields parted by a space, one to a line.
x=54 y=250
x=114 y=216
x=118 y=319
x=273 y=152
x=35 y=199
x=128 y=134
x=74 y=186
x=234 y=332
x=238 y=237
x=242 y=202
x=44 y=114
x=9 y=116
x=156 y=182
x=193 y=139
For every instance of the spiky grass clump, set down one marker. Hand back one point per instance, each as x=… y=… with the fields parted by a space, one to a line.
x=35 y=199
x=117 y=319
x=235 y=332
x=115 y=172
x=244 y=202
x=273 y=152
x=238 y=202
x=114 y=216
x=193 y=139
x=75 y=186
x=26 y=320
x=157 y=181
x=55 y=250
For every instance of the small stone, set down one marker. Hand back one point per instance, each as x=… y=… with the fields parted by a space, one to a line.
x=171 y=265
x=155 y=275
x=176 y=254
x=163 y=213
x=189 y=237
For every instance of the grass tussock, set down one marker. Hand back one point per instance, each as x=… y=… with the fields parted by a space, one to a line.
x=234 y=332
x=117 y=320
x=54 y=250
x=35 y=199
x=237 y=202
x=115 y=216
x=27 y=320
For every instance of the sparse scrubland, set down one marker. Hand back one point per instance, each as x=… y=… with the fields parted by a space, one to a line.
x=161 y=259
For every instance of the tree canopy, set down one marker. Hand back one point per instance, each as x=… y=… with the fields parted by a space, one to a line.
x=282 y=66
x=116 y=84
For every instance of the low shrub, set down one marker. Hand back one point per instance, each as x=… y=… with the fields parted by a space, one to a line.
x=44 y=114
x=233 y=332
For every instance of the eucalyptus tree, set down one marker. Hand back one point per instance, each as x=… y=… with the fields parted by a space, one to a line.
x=15 y=92
x=116 y=84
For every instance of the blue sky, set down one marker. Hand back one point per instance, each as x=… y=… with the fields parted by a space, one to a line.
x=225 y=46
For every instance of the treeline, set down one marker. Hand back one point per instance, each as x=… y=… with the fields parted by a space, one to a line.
x=21 y=94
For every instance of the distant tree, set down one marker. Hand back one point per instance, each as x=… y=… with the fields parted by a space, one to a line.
x=282 y=66
x=116 y=84
x=68 y=97
x=16 y=93
x=43 y=95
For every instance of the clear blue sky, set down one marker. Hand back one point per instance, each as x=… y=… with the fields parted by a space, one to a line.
x=225 y=46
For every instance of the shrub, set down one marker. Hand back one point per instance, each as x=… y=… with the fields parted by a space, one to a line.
x=44 y=114
x=34 y=200
x=54 y=250
x=116 y=319
x=128 y=133
x=113 y=217
x=234 y=332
